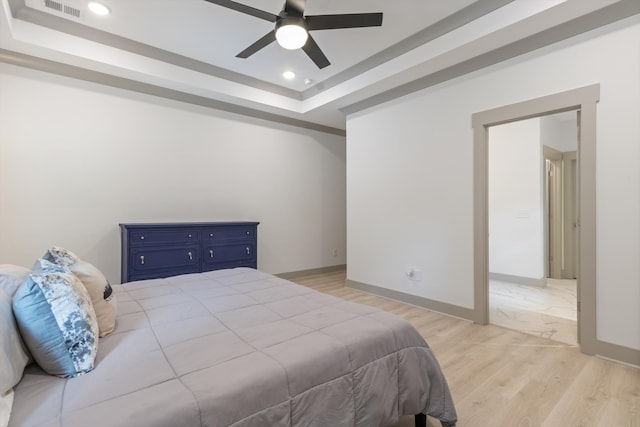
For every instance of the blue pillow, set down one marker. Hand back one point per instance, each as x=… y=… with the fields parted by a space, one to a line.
x=56 y=320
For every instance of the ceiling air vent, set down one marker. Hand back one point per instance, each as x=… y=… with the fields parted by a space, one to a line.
x=53 y=5
x=69 y=10
x=72 y=11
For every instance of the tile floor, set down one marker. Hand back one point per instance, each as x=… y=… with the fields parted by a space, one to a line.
x=549 y=312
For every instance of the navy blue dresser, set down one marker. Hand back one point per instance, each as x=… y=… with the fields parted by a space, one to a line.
x=151 y=251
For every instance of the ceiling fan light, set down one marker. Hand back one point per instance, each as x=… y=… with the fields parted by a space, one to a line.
x=291 y=36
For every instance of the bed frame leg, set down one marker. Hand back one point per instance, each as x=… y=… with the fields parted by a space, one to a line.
x=421 y=420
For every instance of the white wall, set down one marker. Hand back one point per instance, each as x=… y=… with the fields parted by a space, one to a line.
x=410 y=177
x=516 y=209
x=560 y=134
x=77 y=159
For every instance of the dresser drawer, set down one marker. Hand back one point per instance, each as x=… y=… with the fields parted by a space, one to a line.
x=148 y=237
x=230 y=252
x=235 y=233
x=185 y=259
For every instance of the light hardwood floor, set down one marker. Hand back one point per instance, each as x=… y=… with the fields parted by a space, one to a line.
x=500 y=377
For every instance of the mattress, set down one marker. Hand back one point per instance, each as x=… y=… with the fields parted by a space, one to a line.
x=242 y=348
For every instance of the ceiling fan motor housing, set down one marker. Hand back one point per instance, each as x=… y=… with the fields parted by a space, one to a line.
x=285 y=19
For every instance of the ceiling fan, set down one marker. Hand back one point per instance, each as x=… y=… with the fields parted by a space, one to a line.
x=292 y=27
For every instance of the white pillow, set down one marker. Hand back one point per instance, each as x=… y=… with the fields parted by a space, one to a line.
x=13 y=354
x=6 y=402
x=101 y=293
x=12 y=276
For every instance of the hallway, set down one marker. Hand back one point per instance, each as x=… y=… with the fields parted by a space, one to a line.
x=549 y=312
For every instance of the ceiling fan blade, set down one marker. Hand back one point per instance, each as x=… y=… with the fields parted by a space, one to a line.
x=313 y=51
x=295 y=7
x=267 y=39
x=239 y=7
x=350 y=20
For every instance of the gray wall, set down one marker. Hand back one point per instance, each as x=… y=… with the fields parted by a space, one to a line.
x=77 y=159
x=410 y=175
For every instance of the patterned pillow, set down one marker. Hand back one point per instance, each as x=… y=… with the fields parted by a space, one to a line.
x=60 y=256
x=102 y=297
x=57 y=321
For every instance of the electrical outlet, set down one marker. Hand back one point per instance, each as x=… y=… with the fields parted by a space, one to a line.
x=335 y=252
x=414 y=274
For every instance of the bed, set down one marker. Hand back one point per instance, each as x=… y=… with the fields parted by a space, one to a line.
x=239 y=347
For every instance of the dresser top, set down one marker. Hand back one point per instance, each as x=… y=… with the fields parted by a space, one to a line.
x=188 y=224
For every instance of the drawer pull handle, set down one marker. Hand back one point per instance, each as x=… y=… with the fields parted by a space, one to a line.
x=141 y=259
x=189 y=235
x=210 y=253
x=141 y=237
x=248 y=251
x=248 y=233
x=210 y=234
x=190 y=255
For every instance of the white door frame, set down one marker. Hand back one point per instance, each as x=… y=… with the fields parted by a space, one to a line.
x=584 y=100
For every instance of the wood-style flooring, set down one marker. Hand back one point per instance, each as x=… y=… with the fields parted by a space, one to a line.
x=500 y=377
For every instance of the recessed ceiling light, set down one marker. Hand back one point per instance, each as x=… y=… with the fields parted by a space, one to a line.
x=99 y=8
x=288 y=75
x=308 y=81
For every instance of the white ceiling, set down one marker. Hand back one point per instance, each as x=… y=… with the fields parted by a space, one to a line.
x=185 y=49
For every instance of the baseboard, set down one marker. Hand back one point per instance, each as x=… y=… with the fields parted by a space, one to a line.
x=520 y=280
x=301 y=273
x=437 y=306
x=618 y=353
x=603 y=349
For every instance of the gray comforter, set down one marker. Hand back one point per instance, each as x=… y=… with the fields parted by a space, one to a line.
x=242 y=348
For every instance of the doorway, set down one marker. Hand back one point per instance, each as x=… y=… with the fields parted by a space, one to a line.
x=585 y=101
x=529 y=194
